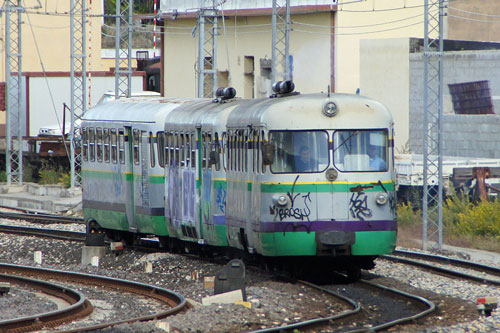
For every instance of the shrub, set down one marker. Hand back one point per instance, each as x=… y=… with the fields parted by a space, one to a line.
x=48 y=176
x=407 y=215
x=65 y=179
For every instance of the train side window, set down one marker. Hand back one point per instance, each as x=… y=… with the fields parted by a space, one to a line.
x=208 y=150
x=168 y=143
x=114 y=148
x=217 y=152
x=106 y=145
x=98 y=133
x=160 y=146
x=92 y=144
x=261 y=143
x=230 y=151
x=135 y=145
x=121 y=145
x=176 y=149
x=193 y=150
x=245 y=151
x=223 y=148
x=152 y=150
x=85 y=143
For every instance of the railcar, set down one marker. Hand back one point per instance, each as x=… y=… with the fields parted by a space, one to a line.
x=296 y=177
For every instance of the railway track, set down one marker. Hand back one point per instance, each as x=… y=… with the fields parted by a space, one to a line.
x=80 y=306
x=453 y=267
x=377 y=320
x=36 y=217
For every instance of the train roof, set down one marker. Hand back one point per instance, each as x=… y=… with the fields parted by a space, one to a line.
x=135 y=109
x=305 y=111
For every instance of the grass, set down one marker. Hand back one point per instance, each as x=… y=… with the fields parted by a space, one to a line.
x=465 y=224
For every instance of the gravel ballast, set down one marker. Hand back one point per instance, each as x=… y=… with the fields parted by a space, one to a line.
x=274 y=303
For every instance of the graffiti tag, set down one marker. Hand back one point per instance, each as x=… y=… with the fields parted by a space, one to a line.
x=358 y=206
x=298 y=213
x=221 y=199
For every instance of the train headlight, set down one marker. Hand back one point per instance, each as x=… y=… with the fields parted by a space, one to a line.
x=330 y=109
x=381 y=198
x=280 y=200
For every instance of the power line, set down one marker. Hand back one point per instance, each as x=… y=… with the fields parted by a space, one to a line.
x=473 y=20
x=472 y=13
x=356 y=26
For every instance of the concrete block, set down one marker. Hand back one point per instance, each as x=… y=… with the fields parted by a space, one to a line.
x=225 y=298
x=88 y=252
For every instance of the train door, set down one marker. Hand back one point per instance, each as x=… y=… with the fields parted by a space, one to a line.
x=142 y=197
x=129 y=179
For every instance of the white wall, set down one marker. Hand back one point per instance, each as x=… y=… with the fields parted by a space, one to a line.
x=385 y=76
x=46 y=98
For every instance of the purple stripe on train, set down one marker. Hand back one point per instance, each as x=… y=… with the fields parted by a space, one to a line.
x=377 y=225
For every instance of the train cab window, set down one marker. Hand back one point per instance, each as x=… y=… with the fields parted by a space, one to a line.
x=299 y=151
x=98 y=134
x=107 y=141
x=360 y=150
x=121 y=145
x=160 y=145
x=152 y=159
x=91 y=144
x=114 y=147
x=136 y=136
x=85 y=144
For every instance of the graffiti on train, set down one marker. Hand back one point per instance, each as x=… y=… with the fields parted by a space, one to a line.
x=358 y=206
x=299 y=206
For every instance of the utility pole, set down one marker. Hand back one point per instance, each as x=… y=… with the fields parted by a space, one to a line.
x=432 y=207
x=207 y=49
x=123 y=48
x=14 y=92
x=78 y=82
x=280 y=66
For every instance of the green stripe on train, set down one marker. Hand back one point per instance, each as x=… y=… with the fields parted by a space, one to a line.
x=325 y=187
x=123 y=176
x=118 y=221
x=304 y=243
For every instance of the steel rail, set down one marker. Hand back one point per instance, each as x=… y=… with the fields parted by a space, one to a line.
x=175 y=301
x=449 y=272
x=429 y=304
x=41 y=217
x=455 y=261
x=312 y=322
x=79 y=306
x=52 y=233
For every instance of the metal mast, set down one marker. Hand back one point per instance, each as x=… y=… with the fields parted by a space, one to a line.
x=207 y=49
x=123 y=48
x=14 y=93
x=281 y=41
x=432 y=207
x=78 y=82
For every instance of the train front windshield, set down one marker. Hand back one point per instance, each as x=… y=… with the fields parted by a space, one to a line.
x=307 y=151
x=356 y=150
x=299 y=151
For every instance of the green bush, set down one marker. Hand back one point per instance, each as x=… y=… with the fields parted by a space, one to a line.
x=65 y=179
x=48 y=176
x=407 y=215
x=480 y=220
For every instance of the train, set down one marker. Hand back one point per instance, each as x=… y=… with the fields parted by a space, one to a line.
x=304 y=180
